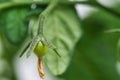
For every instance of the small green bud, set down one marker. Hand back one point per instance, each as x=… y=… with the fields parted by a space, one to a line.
x=40 y=49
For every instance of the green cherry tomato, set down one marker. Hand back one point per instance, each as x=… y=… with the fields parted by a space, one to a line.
x=40 y=49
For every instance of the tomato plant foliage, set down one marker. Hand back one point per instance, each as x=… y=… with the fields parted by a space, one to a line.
x=86 y=51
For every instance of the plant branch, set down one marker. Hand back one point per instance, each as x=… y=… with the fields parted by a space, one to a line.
x=7 y=5
x=98 y=5
x=94 y=4
x=10 y=4
x=111 y=11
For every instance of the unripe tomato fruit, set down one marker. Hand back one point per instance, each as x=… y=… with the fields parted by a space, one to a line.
x=40 y=49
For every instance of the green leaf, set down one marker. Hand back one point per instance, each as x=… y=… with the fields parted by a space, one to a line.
x=94 y=59
x=95 y=54
x=15 y=25
x=110 y=23
x=62 y=28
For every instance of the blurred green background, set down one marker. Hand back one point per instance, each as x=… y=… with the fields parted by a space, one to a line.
x=94 y=56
